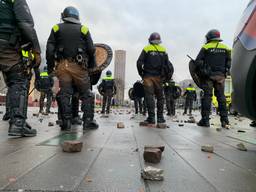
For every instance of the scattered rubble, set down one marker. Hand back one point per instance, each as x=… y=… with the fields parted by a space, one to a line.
x=241 y=131
x=35 y=114
x=153 y=174
x=161 y=147
x=219 y=129
x=161 y=126
x=50 y=124
x=207 y=148
x=120 y=125
x=144 y=124
x=181 y=125
x=241 y=147
x=152 y=155
x=72 y=146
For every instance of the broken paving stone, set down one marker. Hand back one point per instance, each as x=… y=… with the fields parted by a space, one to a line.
x=36 y=114
x=241 y=147
x=50 y=124
x=72 y=146
x=152 y=155
x=241 y=131
x=181 y=125
x=152 y=173
x=161 y=147
x=120 y=125
x=136 y=150
x=88 y=179
x=161 y=126
x=144 y=124
x=207 y=148
x=219 y=129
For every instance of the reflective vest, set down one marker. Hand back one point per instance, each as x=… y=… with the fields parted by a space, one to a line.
x=44 y=74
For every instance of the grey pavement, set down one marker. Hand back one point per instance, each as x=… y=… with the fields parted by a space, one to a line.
x=112 y=159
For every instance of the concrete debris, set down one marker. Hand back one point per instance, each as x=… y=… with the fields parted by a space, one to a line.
x=104 y=116
x=191 y=120
x=35 y=114
x=207 y=148
x=152 y=173
x=241 y=131
x=152 y=155
x=181 y=125
x=1 y=112
x=161 y=126
x=161 y=147
x=218 y=129
x=120 y=125
x=144 y=124
x=241 y=147
x=72 y=146
x=50 y=124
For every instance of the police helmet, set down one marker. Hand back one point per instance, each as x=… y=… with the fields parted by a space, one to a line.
x=155 y=38
x=213 y=35
x=108 y=73
x=70 y=14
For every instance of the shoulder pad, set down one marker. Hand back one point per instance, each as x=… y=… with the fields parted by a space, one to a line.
x=56 y=28
x=84 y=30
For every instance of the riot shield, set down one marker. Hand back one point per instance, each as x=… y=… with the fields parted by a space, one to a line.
x=194 y=73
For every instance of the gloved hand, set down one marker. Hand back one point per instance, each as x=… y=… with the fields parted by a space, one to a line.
x=37 y=59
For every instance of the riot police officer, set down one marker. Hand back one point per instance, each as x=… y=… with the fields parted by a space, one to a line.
x=214 y=60
x=71 y=46
x=45 y=84
x=138 y=95
x=17 y=29
x=190 y=97
x=171 y=93
x=153 y=66
x=108 y=87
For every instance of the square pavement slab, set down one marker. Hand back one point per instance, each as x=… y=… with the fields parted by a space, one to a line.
x=112 y=159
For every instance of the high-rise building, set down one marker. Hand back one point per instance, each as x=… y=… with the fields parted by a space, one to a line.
x=120 y=62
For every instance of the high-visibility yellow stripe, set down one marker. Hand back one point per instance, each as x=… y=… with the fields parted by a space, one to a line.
x=158 y=48
x=108 y=78
x=56 y=28
x=213 y=45
x=84 y=30
x=44 y=74
x=190 y=89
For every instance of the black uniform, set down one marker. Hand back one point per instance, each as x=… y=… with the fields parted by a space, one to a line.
x=190 y=95
x=217 y=56
x=16 y=29
x=46 y=83
x=109 y=89
x=138 y=96
x=150 y=65
x=68 y=40
x=170 y=92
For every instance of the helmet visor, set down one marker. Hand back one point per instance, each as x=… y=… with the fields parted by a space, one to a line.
x=246 y=31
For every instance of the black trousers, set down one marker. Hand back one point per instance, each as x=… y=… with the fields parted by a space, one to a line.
x=17 y=81
x=48 y=95
x=216 y=83
x=72 y=75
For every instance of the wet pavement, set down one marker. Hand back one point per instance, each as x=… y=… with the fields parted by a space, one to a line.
x=112 y=159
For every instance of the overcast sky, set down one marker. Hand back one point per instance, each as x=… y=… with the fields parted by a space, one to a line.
x=127 y=24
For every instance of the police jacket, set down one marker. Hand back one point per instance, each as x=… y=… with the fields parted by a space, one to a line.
x=16 y=24
x=217 y=56
x=138 y=90
x=46 y=82
x=66 y=41
x=190 y=93
x=108 y=84
x=170 y=89
x=152 y=60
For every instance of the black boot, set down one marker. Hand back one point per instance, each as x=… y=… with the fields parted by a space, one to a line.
x=66 y=124
x=6 y=116
x=90 y=124
x=18 y=128
x=160 y=119
x=253 y=124
x=225 y=123
x=204 y=123
x=76 y=121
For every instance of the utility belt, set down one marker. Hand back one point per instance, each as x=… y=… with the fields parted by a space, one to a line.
x=80 y=58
